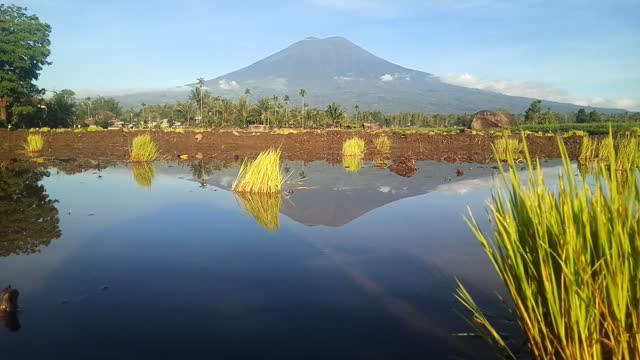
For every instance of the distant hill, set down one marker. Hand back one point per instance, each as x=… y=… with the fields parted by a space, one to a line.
x=335 y=69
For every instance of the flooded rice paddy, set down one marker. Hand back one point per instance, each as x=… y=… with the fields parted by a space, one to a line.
x=162 y=261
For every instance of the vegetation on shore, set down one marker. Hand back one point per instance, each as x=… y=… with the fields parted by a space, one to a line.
x=143 y=149
x=35 y=143
x=505 y=148
x=383 y=144
x=261 y=175
x=569 y=259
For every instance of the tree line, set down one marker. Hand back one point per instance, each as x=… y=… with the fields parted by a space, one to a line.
x=25 y=45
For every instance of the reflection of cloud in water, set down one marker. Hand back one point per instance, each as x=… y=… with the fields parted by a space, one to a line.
x=384 y=188
x=492 y=182
x=226 y=181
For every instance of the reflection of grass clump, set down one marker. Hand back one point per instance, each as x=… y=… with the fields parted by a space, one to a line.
x=353 y=147
x=506 y=148
x=35 y=143
x=569 y=259
x=143 y=174
x=264 y=207
x=352 y=163
x=382 y=143
x=261 y=175
x=143 y=149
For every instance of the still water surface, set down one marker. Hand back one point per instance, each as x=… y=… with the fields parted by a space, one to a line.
x=167 y=263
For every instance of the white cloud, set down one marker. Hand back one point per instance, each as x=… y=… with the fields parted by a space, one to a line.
x=343 y=78
x=228 y=85
x=386 y=77
x=537 y=90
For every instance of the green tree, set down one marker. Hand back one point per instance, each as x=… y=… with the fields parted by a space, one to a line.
x=24 y=49
x=549 y=117
x=61 y=109
x=335 y=113
x=188 y=110
x=286 y=100
x=581 y=116
x=533 y=115
x=594 y=117
x=28 y=218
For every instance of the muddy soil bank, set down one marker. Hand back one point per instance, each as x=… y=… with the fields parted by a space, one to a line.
x=306 y=146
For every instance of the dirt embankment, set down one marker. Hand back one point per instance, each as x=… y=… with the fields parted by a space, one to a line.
x=305 y=146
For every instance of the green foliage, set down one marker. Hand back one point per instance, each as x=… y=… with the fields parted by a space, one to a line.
x=569 y=259
x=533 y=115
x=35 y=143
x=505 y=148
x=24 y=49
x=353 y=147
x=261 y=175
x=591 y=128
x=594 y=117
x=582 y=117
x=382 y=143
x=335 y=113
x=28 y=217
x=61 y=109
x=143 y=149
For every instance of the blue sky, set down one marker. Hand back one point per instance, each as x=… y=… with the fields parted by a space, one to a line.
x=586 y=52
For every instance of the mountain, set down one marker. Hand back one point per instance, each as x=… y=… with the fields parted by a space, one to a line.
x=337 y=70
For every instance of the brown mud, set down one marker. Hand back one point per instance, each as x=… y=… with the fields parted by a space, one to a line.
x=101 y=147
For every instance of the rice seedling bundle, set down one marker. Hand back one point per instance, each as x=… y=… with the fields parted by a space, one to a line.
x=507 y=148
x=143 y=149
x=570 y=260
x=353 y=147
x=261 y=175
x=352 y=163
x=35 y=143
x=382 y=143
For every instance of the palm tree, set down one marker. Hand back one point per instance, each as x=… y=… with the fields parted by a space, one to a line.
x=357 y=107
x=201 y=86
x=286 y=100
x=243 y=109
x=276 y=100
x=335 y=113
x=143 y=117
x=247 y=92
x=88 y=101
x=302 y=94
x=261 y=110
x=188 y=110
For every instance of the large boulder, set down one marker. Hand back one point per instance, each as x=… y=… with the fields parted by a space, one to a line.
x=491 y=120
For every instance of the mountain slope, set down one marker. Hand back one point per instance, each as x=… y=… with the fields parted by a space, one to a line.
x=336 y=70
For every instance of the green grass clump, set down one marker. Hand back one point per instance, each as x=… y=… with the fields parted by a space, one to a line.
x=570 y=260
x=507 y=147
x=261 y=175
x=353 y=147
x=588 y=150
x=35 y=143
x=143 y=174
x=627 y=149
x=383 y=144
x=94 y=128
x=143 y=149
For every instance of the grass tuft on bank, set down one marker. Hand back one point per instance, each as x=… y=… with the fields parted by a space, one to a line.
x=261 y=175
x=35 y=143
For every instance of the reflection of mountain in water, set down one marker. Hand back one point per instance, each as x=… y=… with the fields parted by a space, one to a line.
x=335 y=197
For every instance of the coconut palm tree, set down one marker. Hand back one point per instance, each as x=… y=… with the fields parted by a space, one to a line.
x=335 y=113
x=302 y=94
x=243 y=109
x=260 y=111
x=286 y=100
x=276 y=102
x=188 y=110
